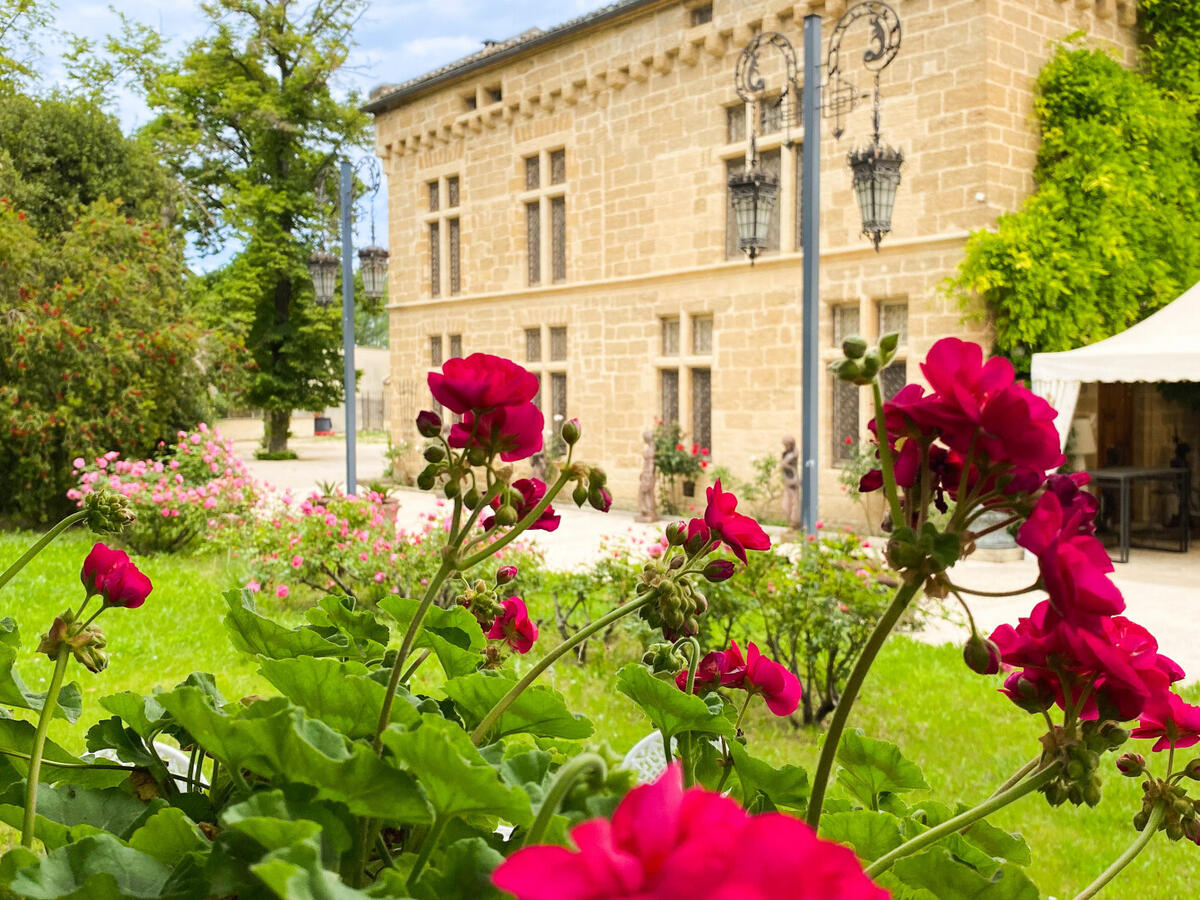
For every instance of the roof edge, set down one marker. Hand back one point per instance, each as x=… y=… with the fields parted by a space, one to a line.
x=421 y=85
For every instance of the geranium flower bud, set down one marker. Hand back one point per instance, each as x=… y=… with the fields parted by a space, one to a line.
x=596 y=477
x=580 y=494
x=1131 y=765
x=981 y=655
x=505 y=574
x=429 y=423
x=1191 y=830
x=718 y=570
x=570 y=431
x=452 y=489
x=854 y=347
x=477 y=456
x=427 y=478
x=107 y=512
x=698 y=536
x=1140 y=819
x=506 y=516
x=847 y=370
x=599 y=498
x=434 y=453
x=889 y=342
x=472 y=498
x=1192 y=769
x=676 y=534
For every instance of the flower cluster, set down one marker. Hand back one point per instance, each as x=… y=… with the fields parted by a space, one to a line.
x=677 y=605
x=187 y=492
x=667 y=843
x=755 y=674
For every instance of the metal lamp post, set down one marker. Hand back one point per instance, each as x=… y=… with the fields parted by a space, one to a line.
x=322 y=267
x=876 y=172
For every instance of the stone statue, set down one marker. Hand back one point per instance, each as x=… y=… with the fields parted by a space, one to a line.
x=789 y=468
x=537 y=465
x=647 y=510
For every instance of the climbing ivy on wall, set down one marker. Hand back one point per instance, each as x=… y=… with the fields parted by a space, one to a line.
x=1112 y=231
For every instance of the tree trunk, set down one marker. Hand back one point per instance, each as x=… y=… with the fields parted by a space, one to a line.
x=276 y=422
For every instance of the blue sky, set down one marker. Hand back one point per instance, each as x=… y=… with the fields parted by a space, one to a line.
x=396 y=40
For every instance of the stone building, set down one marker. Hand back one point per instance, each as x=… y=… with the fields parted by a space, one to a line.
x=561 y=198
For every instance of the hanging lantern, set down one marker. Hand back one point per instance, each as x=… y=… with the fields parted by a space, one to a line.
x=753 y=194
x=322 y=268
x=876 y=171
x=373 y=262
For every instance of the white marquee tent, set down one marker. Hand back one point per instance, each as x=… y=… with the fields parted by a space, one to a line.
x=1161 y=347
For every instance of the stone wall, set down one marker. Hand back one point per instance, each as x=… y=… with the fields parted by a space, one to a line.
x=639 y=107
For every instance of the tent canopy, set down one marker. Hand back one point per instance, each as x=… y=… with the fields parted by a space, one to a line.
x=1161 y=347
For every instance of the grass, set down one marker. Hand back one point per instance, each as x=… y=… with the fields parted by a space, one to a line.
x=966 y=737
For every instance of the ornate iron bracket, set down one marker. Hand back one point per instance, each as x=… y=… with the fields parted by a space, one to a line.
x=841 y=95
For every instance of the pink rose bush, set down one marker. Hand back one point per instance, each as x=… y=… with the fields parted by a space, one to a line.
x=184 y=495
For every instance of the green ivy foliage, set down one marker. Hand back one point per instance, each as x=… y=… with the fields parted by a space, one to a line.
x=1112 y=232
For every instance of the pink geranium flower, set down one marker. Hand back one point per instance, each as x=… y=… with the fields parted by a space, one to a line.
x=482 y=382
x=779 y=687
x=515 y=432
x=532 y=490
x=514 y=626
x=111 y=574
x=720 y=668
x=665 y=843
x=1171 y=720
x=739 y=532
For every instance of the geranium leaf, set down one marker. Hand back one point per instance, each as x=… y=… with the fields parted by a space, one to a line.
x=337 y=618
x=869 y=834
x=998 y=843
x=539 y=710
x=457 y=780
x=17 y=736
x=111 y=734
x=98 y=867
x=67 y=812
x=275 y=739
x=294 y=872
x=464 y=873
x=142 y=714
x=871 y=767
x=670 y=709
x=340 y=694
x=295 y=803
x=168 y=836
x=785 y=786
x=452 y=634
x=254 y=633
x=938 y=872
x=13 y=691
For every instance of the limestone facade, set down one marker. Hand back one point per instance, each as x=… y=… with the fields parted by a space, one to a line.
x=564 y=197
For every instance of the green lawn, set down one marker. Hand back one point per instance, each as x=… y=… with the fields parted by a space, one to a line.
x=965 y=736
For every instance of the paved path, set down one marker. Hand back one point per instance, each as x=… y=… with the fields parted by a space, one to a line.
x=1162 y=589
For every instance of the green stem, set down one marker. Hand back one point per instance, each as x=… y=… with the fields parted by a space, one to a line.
x=37 y=548
x=854 y=682
x=564 y=780
x=1017 y=776
x=962 y=820
x=685 y=741
x=1156 y=817
x=410 y=636
x=1025 y=590
x=39 y=742
x=408 y=673
x=494 y=714
x=431 y=838
x=885 y=459
x=65 y=765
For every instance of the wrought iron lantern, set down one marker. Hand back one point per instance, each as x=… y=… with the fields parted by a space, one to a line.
x=373 y=264
x=322 y=268
x=753 y=193
x=876 y=171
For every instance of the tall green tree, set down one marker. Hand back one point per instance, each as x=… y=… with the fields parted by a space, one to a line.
x=251 y=123
x=20 y=20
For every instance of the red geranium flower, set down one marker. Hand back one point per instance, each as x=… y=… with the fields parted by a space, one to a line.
x=720 y=668
x=515 y=432
x=532 y=490
x=1171 y=720
x=112 y=575
x=665 y=843
x=482 y=382
x=739 y=532
x=779 y=687
x=514 y=626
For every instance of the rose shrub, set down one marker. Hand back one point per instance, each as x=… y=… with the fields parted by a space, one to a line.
x=411 y=753
x=193 y=489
